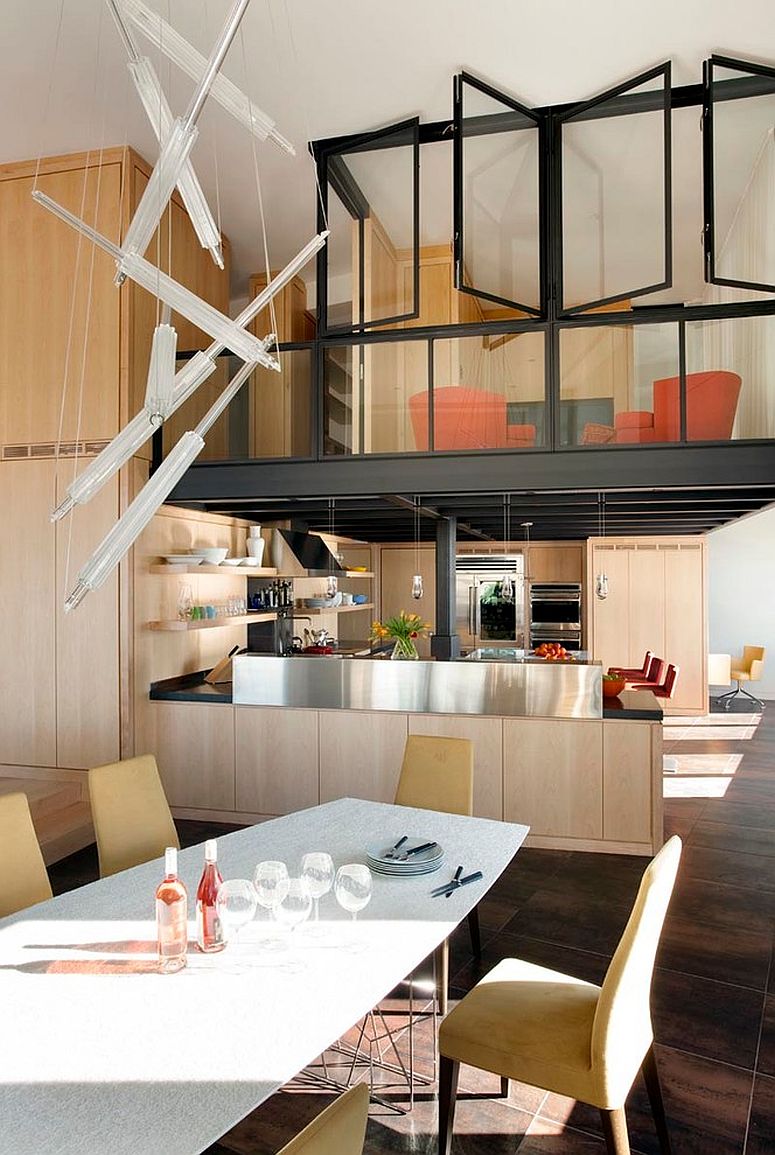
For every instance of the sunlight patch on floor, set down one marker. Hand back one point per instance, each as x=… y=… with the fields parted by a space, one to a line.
x=702 y=764
x=693 y=786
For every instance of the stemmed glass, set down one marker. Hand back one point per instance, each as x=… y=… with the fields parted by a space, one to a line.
x=352 y=887
x=271 y=883
x=317 y=870
x=295 y=907
x=236 y=905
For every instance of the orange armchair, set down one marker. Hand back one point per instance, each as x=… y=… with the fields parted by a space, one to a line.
x=466 y=418
x=711 y=404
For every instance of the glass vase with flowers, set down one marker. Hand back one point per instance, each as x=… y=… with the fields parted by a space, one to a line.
x=404 y=628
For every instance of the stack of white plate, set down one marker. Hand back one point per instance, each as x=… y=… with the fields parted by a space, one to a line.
x=380 y=861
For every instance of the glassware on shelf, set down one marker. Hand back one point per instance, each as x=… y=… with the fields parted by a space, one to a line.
x=171 y=916
x=352 y=887
x=235 y=906
x=185 y=601
x=297 y=904
x=332 y=586
x=317 y=869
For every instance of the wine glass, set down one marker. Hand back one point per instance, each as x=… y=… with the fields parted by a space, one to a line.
x=271 y=883
x=185 y=601
x=352 y=887
x=236 y=905
x=296 y=905
x=317 y=870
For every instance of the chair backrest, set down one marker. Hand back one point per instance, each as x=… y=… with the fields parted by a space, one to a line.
x=339 y=1130
x=711 y=404
x=671 y=677
x=463 y=418
x=132 y=820
x=23 y=877
x=656 y=670
x=646 y=663
x=437 y=774
x=753 y=661
x=621 y=1032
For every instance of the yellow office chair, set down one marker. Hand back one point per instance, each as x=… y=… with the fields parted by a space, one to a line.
x=748 y=668
x=23 y=877
x=438 y=774
x=587 y=1042
x=132 y=820
x=339 y=1130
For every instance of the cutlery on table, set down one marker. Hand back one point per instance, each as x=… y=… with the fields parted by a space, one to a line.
x=416 y=850
x=392 y=852
x=455 y=878
x=455 y=884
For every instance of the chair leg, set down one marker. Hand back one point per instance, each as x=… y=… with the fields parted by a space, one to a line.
x=473 y=930
x=651 y=1079
x=758 y=701
x=449 y=1072
x=615 y=1132
x=504 y=1087
x=441 y=969
x=729 y=697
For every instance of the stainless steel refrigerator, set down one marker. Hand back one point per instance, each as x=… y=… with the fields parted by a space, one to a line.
x=484 y=616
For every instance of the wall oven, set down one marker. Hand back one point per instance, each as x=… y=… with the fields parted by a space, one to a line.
x=555 y=614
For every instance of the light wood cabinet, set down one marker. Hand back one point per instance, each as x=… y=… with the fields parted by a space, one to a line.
x=360 y=754
x=276 y=759
x=556 y=563
x=553 y=776
x=686 y=625
x=487 y=737
x=397 y=567
x=627 y=790
x=280 y=404
x=194 y=747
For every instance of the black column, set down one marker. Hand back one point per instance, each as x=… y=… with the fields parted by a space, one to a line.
x=445 y=643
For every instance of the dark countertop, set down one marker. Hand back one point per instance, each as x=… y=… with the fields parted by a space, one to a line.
x=637 y=705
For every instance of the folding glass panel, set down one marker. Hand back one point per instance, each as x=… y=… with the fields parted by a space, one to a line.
x=497 y=220
x=730 y=379
x=619 y=385
x=488 y=393
x=740 y=174
x=372 y=256
x=616 y=191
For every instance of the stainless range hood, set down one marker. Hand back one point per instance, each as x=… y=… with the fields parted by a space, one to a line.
x=303 y=555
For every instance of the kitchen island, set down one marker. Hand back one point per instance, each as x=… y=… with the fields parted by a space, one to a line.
x=293 y=733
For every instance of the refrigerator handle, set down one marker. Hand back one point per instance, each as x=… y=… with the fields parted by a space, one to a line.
x=471 y=612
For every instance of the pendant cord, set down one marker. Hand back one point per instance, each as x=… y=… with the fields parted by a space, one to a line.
x=304 y=107
x=47 y=104
x=216 y=165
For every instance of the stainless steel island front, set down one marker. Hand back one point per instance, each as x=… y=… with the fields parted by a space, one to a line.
x=503 y=689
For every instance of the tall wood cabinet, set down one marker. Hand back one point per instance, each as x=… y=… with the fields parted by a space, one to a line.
x=656 y=601
x=73 y=365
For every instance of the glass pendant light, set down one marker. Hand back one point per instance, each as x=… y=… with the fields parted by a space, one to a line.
x=417 y=587
x=601 y=578
x=332 y=583
x=160 y=386
x=189 y=60
x=507 y=582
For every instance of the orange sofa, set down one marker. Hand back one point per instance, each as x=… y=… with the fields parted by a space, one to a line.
x=466 y=418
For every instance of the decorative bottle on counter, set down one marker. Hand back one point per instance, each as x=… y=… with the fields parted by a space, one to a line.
x=209 y=932
x=171 y=916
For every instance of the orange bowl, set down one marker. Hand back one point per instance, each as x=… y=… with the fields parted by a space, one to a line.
x=613 y=686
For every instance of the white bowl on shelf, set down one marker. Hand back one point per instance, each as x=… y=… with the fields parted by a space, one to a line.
x=233 y=561
x=213 y=556
x=183 y=558
x=324 y=603
x=254 y=561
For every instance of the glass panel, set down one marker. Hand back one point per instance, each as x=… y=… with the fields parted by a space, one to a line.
x=743 y=175
x=341 y=265
x=369 y=397
x=488 y=392
x=280 y=407
x=500 y=216
x=619 y=385
x=497 y=616
x=730 y=366
x=613 y=196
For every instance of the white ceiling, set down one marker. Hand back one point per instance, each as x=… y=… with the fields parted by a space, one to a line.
x=325 y=67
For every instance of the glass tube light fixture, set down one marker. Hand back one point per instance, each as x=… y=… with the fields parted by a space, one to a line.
x=177 y=49
x=160 y=385
x=166 y=173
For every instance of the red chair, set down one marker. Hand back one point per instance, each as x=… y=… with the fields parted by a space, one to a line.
x=667 y=688
x=466 y=418
x=630 y=673
x=656 y=672
x=711 y=405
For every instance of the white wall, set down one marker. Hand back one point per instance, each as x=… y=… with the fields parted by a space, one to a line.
x=741 y=591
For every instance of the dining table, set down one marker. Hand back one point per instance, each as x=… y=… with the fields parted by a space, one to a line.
x=101 y=1053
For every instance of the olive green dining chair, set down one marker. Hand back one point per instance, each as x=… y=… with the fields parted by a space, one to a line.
x=339 y=1130
x=23 y=876
x=132 y=819
x=573 y=1038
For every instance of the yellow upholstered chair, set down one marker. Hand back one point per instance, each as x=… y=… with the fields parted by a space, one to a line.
x=132 y=820
x=339 y=1130
x=23 y=877
x=747 y=668
x=541 y=1027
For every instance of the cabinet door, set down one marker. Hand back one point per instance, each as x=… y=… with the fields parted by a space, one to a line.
x=627 y=780
x=397 y=568
x=87 y=658
x=27 y=639
x=360 y=754
x=647 y=605
x=487 y=737
x=553 y=776
x=556 y=563
x=611 y=617
x=685 y=627
x=194 y=747
x=276 y=759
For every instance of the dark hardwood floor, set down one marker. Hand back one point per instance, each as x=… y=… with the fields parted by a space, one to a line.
x=713 y=996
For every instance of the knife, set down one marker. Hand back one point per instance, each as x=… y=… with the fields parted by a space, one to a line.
x=417 y=849
x=453 y=884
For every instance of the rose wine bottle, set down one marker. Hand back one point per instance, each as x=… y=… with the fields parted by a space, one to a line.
x=171 y=916
x=209 y=933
